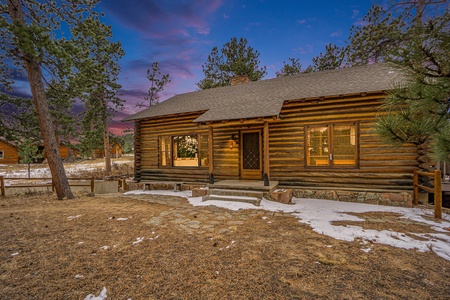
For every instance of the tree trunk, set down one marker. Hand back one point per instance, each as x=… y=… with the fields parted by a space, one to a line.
x=34 y=71
x=93 y=151
x=107 y=150
x=106 y=137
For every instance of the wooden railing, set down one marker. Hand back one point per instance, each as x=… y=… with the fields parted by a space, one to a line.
x=436 y=190
x=3 y=187
x=122 y=184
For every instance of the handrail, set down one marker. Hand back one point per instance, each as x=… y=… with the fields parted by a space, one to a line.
x=436 y=190
x=3 y=187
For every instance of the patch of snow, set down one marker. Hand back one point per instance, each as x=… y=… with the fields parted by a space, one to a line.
x=78 y=276
x=138 y=240
x=73 y=217
x=101 y=296
x=15 y=253
x=104 y=247
x=122 y=219
x=320 y=214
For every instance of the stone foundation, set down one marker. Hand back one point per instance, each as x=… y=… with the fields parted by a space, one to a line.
x=402 y=199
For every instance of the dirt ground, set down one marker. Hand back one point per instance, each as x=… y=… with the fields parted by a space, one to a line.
x=52 y=249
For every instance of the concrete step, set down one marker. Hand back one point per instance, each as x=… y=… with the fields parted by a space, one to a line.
x=234 y=192
x=253 y=200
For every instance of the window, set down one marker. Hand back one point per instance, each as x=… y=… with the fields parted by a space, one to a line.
x=332 y=145
x=2 y=155
x=183 y=151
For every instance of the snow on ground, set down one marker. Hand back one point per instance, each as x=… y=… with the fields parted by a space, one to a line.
x=72 y=169
x=319 y=214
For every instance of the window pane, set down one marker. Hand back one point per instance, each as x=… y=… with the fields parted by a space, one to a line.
x=185 y=151
x=1 y=154
x=204 y=151
x=344 y=145
x=318 y=149
x=165 y=151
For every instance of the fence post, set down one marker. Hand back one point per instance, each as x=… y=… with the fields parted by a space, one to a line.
x=2 y=186
x=92 y=184
x=437 y=194
x=416 y=188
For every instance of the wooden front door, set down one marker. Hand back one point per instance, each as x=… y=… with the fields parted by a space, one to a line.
x=251 y=155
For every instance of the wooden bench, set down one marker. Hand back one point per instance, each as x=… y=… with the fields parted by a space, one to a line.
x=176 y=184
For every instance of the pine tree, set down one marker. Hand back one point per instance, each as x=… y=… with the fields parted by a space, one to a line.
x=292 y=68
x=235 y=58
x=418 y=111
x=29 y=32
x=29 y=153
x=157 y=84
x=97 y=78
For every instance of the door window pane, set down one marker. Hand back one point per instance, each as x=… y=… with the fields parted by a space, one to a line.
x=250 y=151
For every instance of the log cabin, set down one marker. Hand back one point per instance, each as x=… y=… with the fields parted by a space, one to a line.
x=312 y=133
x=115 y=152
x=8 y=153
x=66 y=152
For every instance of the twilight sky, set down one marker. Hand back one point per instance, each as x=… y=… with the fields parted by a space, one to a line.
x=180 y=34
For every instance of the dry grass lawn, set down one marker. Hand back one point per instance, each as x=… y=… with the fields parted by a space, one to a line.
x=61 y=255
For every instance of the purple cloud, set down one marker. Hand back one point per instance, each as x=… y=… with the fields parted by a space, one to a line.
x=167 y=17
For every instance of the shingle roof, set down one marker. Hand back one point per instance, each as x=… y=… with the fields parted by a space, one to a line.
x=265 y=98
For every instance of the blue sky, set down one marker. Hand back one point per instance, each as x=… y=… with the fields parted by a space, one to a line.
x=180 y=34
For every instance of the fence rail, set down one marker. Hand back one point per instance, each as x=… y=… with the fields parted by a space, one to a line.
x=3 y=187
x=436 y=190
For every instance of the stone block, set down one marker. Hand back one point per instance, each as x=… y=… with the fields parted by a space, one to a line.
x=281 y=195
x=347 y=196
x=199 y=192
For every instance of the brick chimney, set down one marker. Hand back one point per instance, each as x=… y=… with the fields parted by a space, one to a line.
x=239 y=79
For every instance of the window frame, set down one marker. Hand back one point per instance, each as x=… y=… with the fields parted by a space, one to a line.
x=331 y=145
x=2 y=154
x=170 y=152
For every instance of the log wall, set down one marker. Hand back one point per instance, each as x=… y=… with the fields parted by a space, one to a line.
x=381 y=166
x=10 y=154
x=147 y=133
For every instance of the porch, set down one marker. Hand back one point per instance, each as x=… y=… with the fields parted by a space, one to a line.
x=249 y=191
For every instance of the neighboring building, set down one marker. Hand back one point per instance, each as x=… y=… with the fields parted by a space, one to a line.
x=8 y=153
x=116 y=152
x=312 y=132
x=65 y=152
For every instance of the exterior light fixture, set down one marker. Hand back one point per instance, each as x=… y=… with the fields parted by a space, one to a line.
x=233 y=141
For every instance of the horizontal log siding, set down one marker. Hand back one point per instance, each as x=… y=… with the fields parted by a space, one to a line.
x=381 y=166
x=10 y=154
x=148 y=144
x=137 y=151
x=226 y=160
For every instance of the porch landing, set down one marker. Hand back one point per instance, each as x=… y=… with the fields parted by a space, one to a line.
x=250 y=185
x=248 y=191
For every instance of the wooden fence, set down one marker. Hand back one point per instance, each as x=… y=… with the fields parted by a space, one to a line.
x=44 y=183
x=436 y=190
